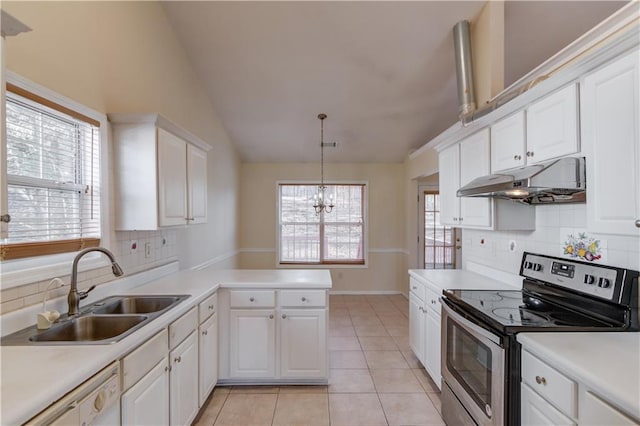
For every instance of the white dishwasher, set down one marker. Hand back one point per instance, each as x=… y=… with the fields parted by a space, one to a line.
x=95 y=402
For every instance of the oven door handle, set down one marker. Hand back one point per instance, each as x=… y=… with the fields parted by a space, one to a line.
x=469 y=326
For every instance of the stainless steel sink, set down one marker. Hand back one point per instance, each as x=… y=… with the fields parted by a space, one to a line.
x=91 y=328
x=106 y=321
x=137 y=305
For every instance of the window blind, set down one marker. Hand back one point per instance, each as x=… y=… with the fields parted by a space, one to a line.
x=53 y=179
x=327 y=238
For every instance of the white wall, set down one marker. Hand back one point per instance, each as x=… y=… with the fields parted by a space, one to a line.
x=553 y=225
x=124 y=57
x=386 y=270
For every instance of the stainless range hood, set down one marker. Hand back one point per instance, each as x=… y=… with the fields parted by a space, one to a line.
x=558 y=181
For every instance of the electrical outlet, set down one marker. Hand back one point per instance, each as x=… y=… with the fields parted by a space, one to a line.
x=133 y=246
x=147 y=250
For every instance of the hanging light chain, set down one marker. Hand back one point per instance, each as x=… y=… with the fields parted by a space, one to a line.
x=320 y=204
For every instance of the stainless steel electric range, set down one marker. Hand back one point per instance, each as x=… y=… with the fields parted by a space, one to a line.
x=480 y=354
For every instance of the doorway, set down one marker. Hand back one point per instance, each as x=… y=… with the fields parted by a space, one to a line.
x=439 y=244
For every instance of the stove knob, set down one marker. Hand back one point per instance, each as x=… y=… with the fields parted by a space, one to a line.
x=537 y=267
x=528 y=265
x=604 y=283
x=589 y=279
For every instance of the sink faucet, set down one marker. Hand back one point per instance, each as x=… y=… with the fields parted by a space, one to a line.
x=76 y=296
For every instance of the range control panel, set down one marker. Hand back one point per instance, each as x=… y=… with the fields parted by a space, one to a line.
x=596 y=280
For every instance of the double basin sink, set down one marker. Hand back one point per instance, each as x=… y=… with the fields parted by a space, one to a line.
x=106 y=321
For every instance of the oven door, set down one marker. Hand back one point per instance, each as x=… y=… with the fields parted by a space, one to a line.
x=473 y=366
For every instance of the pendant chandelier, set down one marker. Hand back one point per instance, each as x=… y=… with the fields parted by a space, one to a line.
x=320 y=202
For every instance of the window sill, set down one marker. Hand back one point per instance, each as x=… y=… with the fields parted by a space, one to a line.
x=322 y=265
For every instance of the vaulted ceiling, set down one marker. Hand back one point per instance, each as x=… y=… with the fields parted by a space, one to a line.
x=383 y=72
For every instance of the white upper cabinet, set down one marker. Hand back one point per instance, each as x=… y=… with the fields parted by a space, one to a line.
x=552 y=126
x=508 y=144
x=474 y=163
x=611 y=141
x=449 y=169
x=160 y=173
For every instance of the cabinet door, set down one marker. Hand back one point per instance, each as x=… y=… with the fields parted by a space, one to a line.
x=147 y=402
x=474 y=163
x=552 y=126
x=197 y=184
x=449 y=170
x=303 y=343
x=252 y=343
x=416 y=327
x=172 y=179
x=538 y=412
x=183 y=382
x=595 y=412
x=208 y=347
x=433 y=345
x=508 y=143
x=610 y=134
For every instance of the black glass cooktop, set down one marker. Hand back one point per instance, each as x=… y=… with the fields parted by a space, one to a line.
x=518 y=310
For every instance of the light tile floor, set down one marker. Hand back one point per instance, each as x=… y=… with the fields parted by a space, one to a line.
x=374 y=377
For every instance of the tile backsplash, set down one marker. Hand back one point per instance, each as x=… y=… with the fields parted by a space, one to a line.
x=152 y=249
x=554 y=224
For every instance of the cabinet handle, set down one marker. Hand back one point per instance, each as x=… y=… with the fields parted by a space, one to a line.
x=541 y=380
x=420 y=307
x=271 y=316
x=460 y=219
x=211 y=307
x=178 y=359
x=433 y=302
x=517 y=157
x=251 y=299
x=414 y=287
x=284 y=316
x=5 y=218
x=638 y=223
x=304 y=299
x=529 y=153
x=167 y=368
x=455 y=219
x=189 y=218
x=205 y=332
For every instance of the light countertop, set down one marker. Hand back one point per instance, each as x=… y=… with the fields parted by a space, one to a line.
x=35 y=376
x=458 y=279
x=607 y=363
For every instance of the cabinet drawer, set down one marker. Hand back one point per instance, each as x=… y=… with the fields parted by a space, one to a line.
x=303 y=298
x=252 y=298
x=207 y=307
x=417 y=288
x=143 y=359
x=550 y=384
x=182 y=327
x=432 y=300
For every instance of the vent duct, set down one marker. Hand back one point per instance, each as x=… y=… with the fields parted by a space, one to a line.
x=464 y=71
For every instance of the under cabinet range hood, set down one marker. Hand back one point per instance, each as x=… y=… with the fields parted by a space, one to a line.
x=558 y=181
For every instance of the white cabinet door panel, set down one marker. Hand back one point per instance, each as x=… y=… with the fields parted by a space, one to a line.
x=252 y=341
x=208 y=347
x=596 y=412
x=172 y=179
x=610 y=106
x=197 y=183
x=147 y=402
x=433 y=346
x=552 y=126
x=416 y=327
x=538 y=412
x=474 y=163
x=184 y=381
x=508 y=143
x=302 y=343
x=449 y=170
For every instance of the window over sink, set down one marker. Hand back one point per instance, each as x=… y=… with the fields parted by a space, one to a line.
x=52 y=176
x=334 y=238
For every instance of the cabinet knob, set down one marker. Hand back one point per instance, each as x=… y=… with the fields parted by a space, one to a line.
x=271 y=316
x=178 y=359
x=529 y=153
x=205 y=332
x=189 y=218
x=638 y=223
x=5 y=218
x=284 y=316
x=211 y=307
x=421 y=310
x=167 y=368
x=304 y=299
x=414 y=287
x=460 y=219
x=252 y=299
x=455 y=219
x=541 y=380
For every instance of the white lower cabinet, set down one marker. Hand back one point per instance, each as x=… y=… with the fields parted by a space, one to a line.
x=273 y=336
x=537 y=411
x=183 y=381
x=553 y=397
x=425 y=327
x=302 y=343
x=147 y=402
x=208 y=347
x=252 y=343
x=433 y=345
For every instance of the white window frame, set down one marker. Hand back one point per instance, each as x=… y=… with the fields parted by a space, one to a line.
x=17 y=272
x=365 y=229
